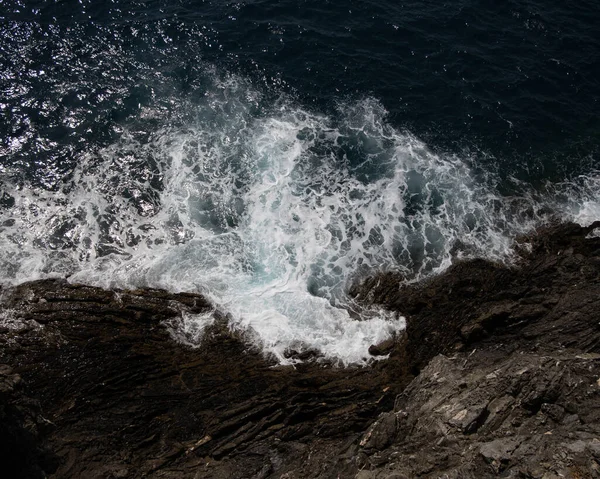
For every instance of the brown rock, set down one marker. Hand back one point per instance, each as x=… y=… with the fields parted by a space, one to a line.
x=504 y=358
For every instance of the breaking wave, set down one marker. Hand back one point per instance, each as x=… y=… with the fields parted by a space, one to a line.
x=271 y=210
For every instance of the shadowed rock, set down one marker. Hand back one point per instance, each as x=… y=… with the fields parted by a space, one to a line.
x=129 y=401
x=506 y=363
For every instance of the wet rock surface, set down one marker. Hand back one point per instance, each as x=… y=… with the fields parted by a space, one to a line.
x=497 y=375
x=127 y=400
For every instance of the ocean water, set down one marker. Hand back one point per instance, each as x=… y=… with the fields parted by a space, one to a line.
x=269 y=154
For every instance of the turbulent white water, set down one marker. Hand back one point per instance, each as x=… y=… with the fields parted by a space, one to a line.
x=269 y=212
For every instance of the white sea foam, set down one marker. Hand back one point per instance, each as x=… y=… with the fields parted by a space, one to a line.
x=583 y=199
x=190 y=328
x=269 y=212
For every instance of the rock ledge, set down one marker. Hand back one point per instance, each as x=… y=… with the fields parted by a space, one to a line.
x=497 y=376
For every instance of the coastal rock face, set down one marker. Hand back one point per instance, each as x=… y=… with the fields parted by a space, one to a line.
x=516 y=392
x=22 y=430
x=483 y=414
x=126 y=400
x=497 y=376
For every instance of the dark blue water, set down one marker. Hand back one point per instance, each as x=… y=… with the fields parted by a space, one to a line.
x=516 y=81
x=267 y=153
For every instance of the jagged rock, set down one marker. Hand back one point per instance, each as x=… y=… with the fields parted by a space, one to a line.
x=498 y=452
x=381 y=433
x=8 y=381
x=505 y=358
x=506 y=402
x=127 y=399
x=554 y=411
x=383 y=348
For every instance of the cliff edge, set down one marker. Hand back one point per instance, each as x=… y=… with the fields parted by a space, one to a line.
x=497 y=375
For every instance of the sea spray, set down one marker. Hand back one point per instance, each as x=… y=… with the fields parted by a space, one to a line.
x=270 y=210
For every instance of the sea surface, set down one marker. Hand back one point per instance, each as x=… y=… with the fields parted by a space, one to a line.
x=269 y=153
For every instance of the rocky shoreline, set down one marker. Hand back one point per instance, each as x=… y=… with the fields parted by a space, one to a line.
x=497 y=376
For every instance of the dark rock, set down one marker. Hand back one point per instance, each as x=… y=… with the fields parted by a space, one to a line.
x=506 y=381
x=22 y=430
x=381 y=433
x=498 y=452
x=383 y=348
x=553 y=411
x=128 y=400
x=503 y=405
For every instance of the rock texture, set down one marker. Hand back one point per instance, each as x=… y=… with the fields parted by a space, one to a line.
x=508 y=364
x=497 y=376
x=127 y=401
x=22 y=430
